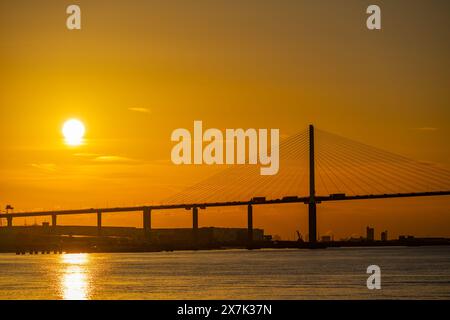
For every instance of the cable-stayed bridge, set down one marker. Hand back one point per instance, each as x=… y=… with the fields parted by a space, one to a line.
x=315 y=166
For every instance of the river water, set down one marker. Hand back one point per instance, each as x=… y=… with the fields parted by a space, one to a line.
x=338 y=273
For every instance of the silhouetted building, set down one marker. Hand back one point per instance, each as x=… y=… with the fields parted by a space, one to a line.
x=159 y=236
x=384 y=235
x=354 y=239
x=326 y=239
x=370 y=234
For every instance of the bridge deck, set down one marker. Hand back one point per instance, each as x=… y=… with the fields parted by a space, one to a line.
x=222 y=204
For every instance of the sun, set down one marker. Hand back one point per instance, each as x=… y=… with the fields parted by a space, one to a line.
x=73 y=131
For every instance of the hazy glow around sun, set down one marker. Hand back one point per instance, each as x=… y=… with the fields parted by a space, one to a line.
x=73 y=131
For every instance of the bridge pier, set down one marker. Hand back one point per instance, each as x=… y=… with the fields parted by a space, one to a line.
x=195 y=224
x=147 y=221
x=99 y=222
x=312 y=221
x=250 y=223
x=9 y=222
x=54 y=220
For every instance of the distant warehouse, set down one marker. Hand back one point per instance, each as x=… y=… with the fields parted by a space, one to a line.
x=161 y=236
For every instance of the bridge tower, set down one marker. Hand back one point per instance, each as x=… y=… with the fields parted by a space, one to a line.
x=312 y=219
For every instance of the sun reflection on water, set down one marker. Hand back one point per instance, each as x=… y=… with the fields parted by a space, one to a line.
x=74 y=281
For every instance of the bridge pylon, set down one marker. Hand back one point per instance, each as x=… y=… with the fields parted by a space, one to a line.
x=312 y=218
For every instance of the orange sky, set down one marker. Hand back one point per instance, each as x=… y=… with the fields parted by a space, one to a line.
x=140 y=69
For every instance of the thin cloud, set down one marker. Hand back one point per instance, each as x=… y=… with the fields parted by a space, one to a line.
x=113 y=159
x=426 y=129
x=104 y=158
x=44 y=166
x=86 y=155
x=141 y=110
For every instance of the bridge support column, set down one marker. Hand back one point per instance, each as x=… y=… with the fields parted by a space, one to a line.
x=54 y=220
x=195 y=224
x=250 y=223
x=147 y=221
x=9 y=222
x=312 y=218
x=99 y=223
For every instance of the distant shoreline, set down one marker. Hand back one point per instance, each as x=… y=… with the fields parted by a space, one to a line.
x=28 y=250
